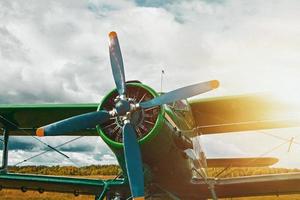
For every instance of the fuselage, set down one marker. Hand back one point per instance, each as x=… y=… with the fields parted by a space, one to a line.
x=163 y=143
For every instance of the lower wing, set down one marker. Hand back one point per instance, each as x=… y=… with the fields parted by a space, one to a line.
x=261 y=185
x=241 y=162
x=77 y=186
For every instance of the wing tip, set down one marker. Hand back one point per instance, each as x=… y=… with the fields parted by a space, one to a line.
x=273 y=160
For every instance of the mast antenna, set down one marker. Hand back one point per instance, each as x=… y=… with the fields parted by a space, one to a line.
x=161 y=80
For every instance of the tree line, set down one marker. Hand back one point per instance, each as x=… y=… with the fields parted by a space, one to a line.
x=91 y=170
x=107 y=170
x=247 y=171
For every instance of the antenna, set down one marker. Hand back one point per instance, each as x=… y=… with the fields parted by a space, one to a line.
x=291 y=142
x=161 y=80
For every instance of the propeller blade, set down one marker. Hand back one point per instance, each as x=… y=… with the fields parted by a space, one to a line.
x=133 y=161
x=117 y=63
x=181 y=93
x=76 y=123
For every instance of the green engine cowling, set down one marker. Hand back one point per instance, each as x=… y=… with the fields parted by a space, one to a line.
x=154 y=133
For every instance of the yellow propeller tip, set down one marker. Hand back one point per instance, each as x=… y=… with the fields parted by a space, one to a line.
x=40 y=132
x=112 y=34
x=214 y=84
x=138 y=198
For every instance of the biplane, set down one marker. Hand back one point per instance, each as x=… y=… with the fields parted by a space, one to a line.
x=155 y=139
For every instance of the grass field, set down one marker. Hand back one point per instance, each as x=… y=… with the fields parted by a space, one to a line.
x=34 y=195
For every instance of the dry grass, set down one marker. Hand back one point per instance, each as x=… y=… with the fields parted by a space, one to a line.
x=281 y=197
x=34 y=195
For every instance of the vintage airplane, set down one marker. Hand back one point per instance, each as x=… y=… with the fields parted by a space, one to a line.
x=154 y=137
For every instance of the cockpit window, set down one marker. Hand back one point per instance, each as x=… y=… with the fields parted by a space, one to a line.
x=183 y=113
x=181 y=105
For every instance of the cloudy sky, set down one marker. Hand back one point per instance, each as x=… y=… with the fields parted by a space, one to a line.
x=57 y=51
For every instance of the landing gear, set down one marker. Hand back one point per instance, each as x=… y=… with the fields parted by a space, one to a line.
x=113 y=196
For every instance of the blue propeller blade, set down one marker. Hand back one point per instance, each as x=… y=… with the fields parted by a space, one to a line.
x=133 y=161
x=76 y=123
x=181 y=93
x=117 y=63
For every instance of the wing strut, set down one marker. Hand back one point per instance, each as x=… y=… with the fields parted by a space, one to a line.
x=211 y=187
x=3 y=168
x=104 y=191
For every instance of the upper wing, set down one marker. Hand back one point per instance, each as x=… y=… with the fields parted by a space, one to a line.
x=61 y=184
x=244 y=186
x=24 y=119
x=243 y=113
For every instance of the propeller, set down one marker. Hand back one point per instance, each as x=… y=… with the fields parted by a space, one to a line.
x=181 y=93
x=123 y=109
x=77 y=123
x=133 y=161
x=117 y=63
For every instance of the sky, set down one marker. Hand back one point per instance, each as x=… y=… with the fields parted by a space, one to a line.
x=57 y=52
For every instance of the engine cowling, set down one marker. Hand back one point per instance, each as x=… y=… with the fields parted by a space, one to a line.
x=145 y=120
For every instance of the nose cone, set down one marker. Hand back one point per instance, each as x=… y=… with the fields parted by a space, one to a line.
x=122 y=107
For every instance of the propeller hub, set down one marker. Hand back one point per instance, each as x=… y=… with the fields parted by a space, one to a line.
x=122 y=107
x=142 y=119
